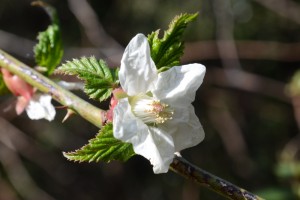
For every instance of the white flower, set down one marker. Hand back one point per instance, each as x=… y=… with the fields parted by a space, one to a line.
x=157 y=116
x=40 y=107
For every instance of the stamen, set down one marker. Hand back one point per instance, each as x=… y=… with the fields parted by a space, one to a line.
x=149 y=110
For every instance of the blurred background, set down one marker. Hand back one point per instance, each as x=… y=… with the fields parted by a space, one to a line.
x=249 y=103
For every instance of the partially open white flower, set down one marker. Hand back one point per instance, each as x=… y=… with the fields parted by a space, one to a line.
x=40 y=107
x=157 y=116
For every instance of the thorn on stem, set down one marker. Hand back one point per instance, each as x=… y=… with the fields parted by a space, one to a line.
x=69 y=114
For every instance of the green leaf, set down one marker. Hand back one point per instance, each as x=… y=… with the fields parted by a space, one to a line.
x=49 y=51
x=103 y=148
x=166 y=52
x=100 y=80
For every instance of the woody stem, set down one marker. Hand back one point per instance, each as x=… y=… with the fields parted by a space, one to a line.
x=89 y=112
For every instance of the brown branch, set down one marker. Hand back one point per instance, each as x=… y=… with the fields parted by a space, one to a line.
x=285 y=8
x=29 y=149
x=252 y=50
x=210 y=181
x=18 y=174
x=247 y=82
x=12 y=43
x=94 y=29
x=229 y=130
x=224 y=32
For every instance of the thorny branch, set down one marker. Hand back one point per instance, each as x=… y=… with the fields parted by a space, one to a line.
x=66 y=98
x=93 y=115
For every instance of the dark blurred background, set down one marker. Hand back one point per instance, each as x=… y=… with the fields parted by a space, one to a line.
x=251 y=50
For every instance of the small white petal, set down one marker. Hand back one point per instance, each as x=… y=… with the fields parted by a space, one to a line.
x=189 y=130
x=40 y=107
x=138 y=73
x=178 y=85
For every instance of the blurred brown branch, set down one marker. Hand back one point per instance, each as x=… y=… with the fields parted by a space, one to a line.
x=229 y=129
x=12 y=43
x=252 y=50
x=247 y=82
x=224 y=32
x=194 y=51
x=285 y=8
x=29 y=149
x=13 y=165
x=94 y=29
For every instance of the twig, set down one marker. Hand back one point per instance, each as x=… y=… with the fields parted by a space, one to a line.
x=66 y=98
x=208 y=180
x=93 y=115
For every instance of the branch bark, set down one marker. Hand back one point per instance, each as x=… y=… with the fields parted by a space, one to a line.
x=210 y=181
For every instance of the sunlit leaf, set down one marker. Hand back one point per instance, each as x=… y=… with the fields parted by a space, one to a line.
x=104 y=147
x=166 y=52
x=99 y=79
x=49 y=51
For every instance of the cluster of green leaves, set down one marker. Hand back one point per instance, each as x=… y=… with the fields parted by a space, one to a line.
x=99 y=79
x=104 y=147
x=166 y=52
x=49 y=50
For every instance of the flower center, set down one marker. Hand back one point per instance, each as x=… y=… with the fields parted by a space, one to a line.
x=150 y=110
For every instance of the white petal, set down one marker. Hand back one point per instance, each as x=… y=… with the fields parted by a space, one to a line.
x=151 y=143
x=138 y=73
x=189 y=130
x=178 y=85
x=125 y=124
x=157 y=147
x=40 y=107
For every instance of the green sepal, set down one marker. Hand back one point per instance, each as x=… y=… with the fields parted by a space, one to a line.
x=3 y=88
x=104 y=147
x=166 y=52
x=99 y=79
x=49 y=50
